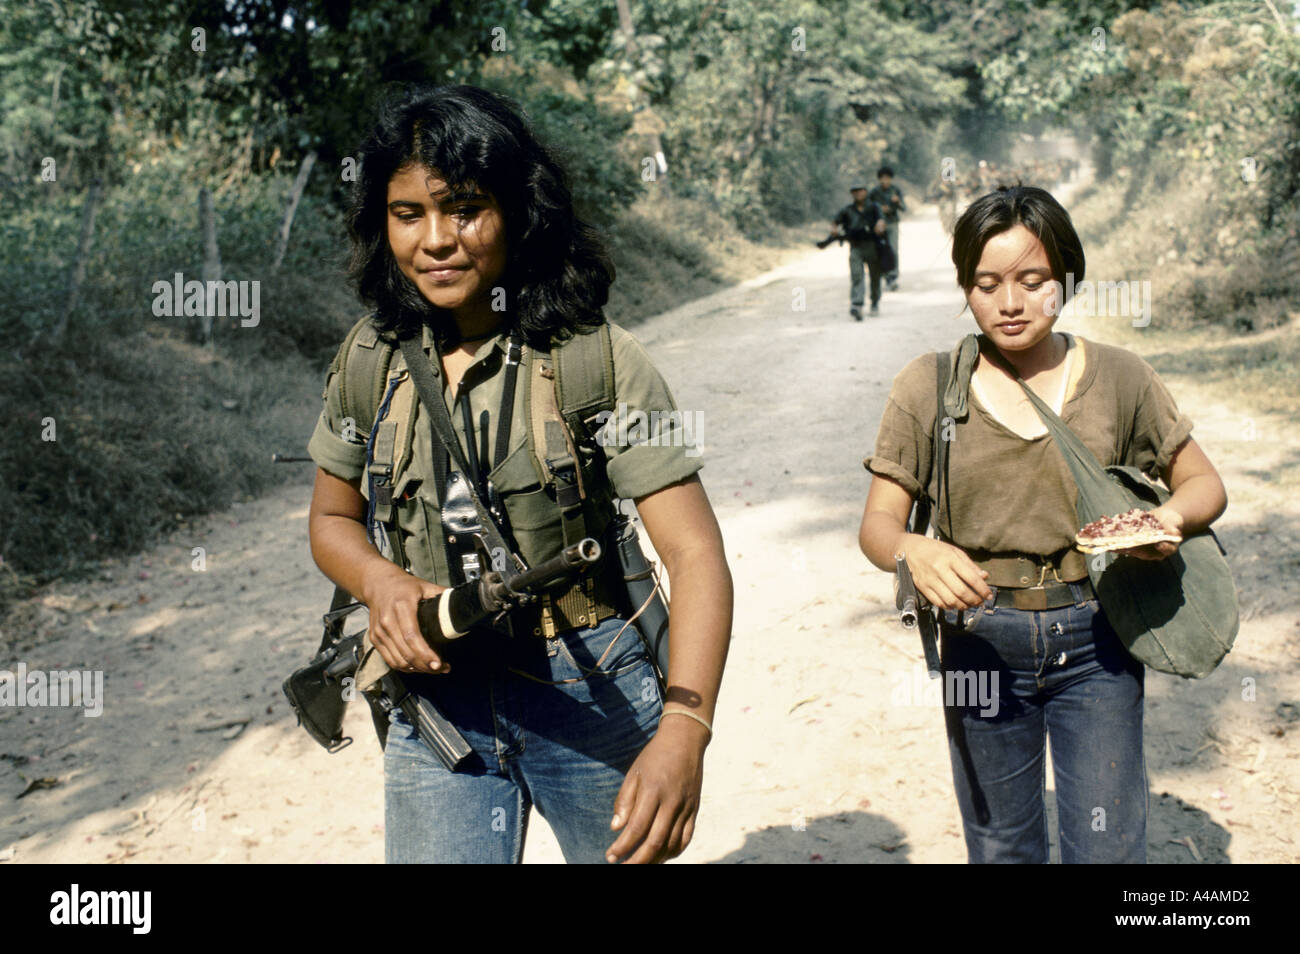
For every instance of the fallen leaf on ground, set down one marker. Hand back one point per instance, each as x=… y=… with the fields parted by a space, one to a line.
x=36 y=784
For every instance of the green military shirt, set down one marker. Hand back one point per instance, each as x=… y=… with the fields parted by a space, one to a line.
x=656 y=446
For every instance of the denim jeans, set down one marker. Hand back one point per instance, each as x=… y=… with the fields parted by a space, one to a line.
x=562 y=749
x=858 y=254
x=1060 y=675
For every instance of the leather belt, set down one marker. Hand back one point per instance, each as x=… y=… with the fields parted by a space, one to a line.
x=1018 y=570
x=1045 y=597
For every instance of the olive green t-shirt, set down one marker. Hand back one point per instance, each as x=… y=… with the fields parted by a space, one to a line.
x=1009 y=493
x=658 y=445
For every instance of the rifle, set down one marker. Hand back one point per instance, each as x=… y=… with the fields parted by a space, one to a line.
x=915 y=613
x=841 y=237
x=320 y=691
x=452 y=613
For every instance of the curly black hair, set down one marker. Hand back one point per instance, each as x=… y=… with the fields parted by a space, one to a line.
x=558 y=271
x=1009 y=206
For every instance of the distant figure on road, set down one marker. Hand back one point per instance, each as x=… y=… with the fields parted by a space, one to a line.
x=944 y=191
x=860 y=221
x=890 y=199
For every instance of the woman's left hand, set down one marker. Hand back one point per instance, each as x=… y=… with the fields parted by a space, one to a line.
x=1172 y=521
x=656 y=806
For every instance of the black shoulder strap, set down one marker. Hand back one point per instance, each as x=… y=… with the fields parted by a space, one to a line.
x=514 y=351
x=425 y=375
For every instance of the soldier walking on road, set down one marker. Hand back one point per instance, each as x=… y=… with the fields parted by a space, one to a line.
x=890 y=199
x=944 y=191
x=860 y=221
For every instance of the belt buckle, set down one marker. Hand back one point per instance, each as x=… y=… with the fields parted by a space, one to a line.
x=1034 y=597
x=1042 y=574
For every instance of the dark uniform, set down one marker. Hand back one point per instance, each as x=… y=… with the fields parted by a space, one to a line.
x=859 y=226
x=890 y=201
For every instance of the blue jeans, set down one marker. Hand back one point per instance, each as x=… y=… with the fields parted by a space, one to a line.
x=1062 y=675
x=563 y=749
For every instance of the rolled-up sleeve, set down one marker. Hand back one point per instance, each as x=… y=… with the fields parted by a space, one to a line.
x=902 y=449
x=649 y=442
x=337 y=445
x=1159 y=429
x=904 y=441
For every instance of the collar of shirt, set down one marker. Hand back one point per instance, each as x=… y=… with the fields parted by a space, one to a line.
x=497 y=341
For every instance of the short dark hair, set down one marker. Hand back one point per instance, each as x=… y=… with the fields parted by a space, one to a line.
x=1006 y=208
x=558 y=271
x=884 y=171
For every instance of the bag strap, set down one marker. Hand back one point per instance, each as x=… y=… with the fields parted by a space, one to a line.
x=381 y=466
x=425 y=374
x=514 y=354
x=566 y=389
x=939 y=446
x=926 y=512
x=1078 y=456
x=363 y=363
x=584 y=375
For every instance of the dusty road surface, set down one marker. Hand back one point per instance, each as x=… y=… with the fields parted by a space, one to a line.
x=827 y=748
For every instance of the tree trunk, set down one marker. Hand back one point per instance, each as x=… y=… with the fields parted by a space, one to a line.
x=299 y=184
x=211 y=258
x=88 y=212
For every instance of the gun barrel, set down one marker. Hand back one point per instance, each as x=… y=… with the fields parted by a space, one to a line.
x=907 y=614
x=914 y=614
x=476 y=600
x=583 y=553
x=289 y=459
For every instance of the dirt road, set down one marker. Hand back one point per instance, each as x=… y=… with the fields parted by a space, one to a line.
x=825 y=748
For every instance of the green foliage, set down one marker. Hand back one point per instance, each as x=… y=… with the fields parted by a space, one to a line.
x=147 y=435
x=574 y=34
x=587 y=141
x=793 y=81
x=765 y=109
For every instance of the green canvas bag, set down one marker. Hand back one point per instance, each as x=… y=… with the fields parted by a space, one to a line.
x=1177 y=615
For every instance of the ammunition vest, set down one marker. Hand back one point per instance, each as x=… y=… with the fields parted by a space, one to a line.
x=553 y=486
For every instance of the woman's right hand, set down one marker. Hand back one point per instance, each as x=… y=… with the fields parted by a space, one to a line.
x=943 y=573
x=391 y=597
